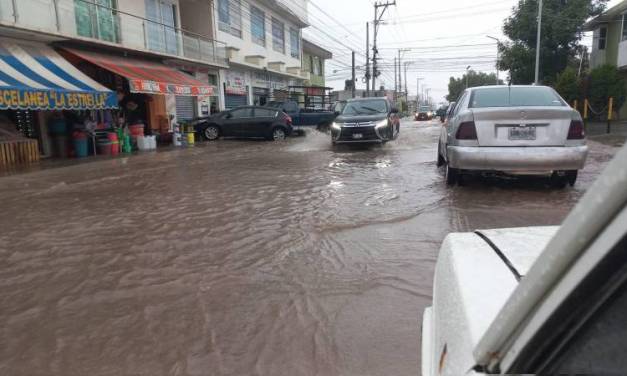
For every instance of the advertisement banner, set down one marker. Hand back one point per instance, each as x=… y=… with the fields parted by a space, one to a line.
x=153 y=87
x=34 y=99
x=235 y=83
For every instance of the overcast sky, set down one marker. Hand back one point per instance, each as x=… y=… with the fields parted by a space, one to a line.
x=444 y=37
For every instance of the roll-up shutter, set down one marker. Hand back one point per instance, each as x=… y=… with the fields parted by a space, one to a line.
x=184 y=108
x=232 y=101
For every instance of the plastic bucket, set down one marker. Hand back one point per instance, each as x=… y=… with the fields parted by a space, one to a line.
x=112 y=136
x=80 y=147
x=104 y=148
x=136 y=130
x=190 y=138
x=115 y=148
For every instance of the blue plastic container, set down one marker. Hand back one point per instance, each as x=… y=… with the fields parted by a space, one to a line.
x=80 y=147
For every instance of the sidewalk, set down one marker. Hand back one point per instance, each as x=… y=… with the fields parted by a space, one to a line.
x=597 y=131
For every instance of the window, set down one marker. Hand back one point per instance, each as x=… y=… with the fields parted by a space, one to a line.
x=316 y=66
x=261 y=112
x=161 y=32
x=602 y=38
x=278 y=36
x=241 y=113
x=624 y=33
x=515 y=97
x=258 y=26
x=367 y=107
x=97 y=20
x=295 y=43
x=230 y=17
x=311 y=64
x=213 y=79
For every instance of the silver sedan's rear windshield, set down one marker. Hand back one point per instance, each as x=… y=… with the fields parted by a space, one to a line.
x=514 y=97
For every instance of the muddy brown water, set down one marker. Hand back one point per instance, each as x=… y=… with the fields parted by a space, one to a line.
x=241 y=257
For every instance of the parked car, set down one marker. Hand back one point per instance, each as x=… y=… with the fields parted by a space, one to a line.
x=535 y=300
x=424 y=113
x=366 y=120
x=441 y=112
x=303 y=117
x=246 y=122
x=521 y=130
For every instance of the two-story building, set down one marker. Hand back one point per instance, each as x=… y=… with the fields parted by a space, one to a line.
x=161 y=55
x=264 y=48
x=609 y=44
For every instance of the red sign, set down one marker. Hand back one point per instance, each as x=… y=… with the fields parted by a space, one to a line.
x=153 y=87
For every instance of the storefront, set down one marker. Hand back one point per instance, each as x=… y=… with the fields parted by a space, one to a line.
x=235 y=89
x=44 y=100
x=168 y=95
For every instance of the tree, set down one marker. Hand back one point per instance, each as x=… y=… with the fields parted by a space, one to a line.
x=568 y=85
x=457 y=85
x=605 y=82
x=562 y=22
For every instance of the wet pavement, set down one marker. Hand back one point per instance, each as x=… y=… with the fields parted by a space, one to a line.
x=242 y=257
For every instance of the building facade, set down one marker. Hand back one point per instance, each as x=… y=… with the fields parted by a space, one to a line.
x=140 y=63
x=313 y=66
x=264 y=48
x=609 y=44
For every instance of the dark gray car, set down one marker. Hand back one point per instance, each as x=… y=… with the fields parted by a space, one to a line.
x=366 y=120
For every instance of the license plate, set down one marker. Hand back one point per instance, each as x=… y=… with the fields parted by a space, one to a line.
x=522 y=133
x=358 y=136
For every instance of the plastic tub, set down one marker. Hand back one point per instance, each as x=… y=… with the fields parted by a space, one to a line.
x=104 y=148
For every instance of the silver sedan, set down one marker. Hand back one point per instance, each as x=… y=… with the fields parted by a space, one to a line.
x=519 y=130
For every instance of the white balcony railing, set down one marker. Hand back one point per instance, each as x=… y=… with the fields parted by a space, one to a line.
x=88 y=19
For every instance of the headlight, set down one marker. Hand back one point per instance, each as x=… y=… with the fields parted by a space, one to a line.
x=336 y=126
x=382 y=123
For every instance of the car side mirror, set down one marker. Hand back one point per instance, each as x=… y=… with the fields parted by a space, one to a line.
x=394 y=110
x=228 y=116
x=336 y=113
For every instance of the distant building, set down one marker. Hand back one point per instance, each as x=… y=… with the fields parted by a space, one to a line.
x=609 y=44
x=313 y=67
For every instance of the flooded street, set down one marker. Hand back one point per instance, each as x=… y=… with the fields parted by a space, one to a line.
x=242 y=257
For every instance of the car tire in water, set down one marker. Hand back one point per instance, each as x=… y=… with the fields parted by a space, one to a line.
x=452 y=175
x=558 y=181
x=211 y=133
x=571 y=177
x=278 y=134
x=441 y=160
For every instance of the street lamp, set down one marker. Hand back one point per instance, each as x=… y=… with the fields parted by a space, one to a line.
x=467 y=68
x=498 y=42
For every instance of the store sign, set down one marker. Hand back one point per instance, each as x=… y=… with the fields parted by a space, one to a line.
x=53 y=100
x=153 y=87
x=235 y=83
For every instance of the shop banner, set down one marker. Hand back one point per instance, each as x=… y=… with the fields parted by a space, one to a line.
x=34 y=99
x=235 y=83
x=152 y=87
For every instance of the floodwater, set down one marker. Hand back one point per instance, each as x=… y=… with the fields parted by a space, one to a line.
x=241 y=257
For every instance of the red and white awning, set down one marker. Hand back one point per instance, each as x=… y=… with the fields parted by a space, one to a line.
x=147 y=76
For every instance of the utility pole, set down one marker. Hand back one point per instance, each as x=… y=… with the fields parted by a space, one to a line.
x=418 y=96
x=377 y=20
x=353 y=75
x=537 y=80
x=395 y=81
x=498 y=42
x=367 y=59
x=467 y=71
